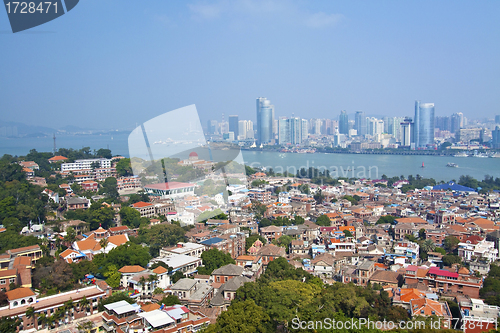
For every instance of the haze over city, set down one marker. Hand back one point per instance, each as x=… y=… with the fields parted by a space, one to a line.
x=112 y=62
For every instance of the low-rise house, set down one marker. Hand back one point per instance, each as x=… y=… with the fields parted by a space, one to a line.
x=180 y=262
x=271 y=252
x=323 y=264
x=227 y=292
x=476 y=316
x=483 y=249
x=77 y=203
x=226 y=273
x=425 y=307
x=189 y=249
x=386 y=278
x=128 y=272
x=146 y=209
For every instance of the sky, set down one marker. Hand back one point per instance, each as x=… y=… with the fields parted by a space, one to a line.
x=113 y=64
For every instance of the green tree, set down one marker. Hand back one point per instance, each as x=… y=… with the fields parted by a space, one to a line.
x=113 y=276
x=246 y=317
x=427 y=245
x=323 y=221
x=124 y=168
x=130 y=216
x=450 y=243
x=449 y=260
x=386 y=219
x=70 y=235
x=9 y=325
x=170 y=300
x=347 y=233
x=213 y=259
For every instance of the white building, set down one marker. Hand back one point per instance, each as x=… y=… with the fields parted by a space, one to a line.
x=483 y=249
x=86 y=164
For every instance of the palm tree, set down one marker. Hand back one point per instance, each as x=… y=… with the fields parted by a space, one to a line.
x=152 y=279
x=42 y=319
x=428 y=246
x=84 y=303
x=30 y=312
x=142 y=282
x=104 y=243
x=85 y=326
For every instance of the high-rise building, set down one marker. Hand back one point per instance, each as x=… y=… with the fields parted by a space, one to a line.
x=242 y=130
x=291 y=130
x=265 y=121
x=233 y=126
x=343 y=123
x=375 y=126
x=497 y=119
x=212 y=127
x=457 y=122
x=443 y=123
x=423 y=133
x=360 y=123
x=495 y=140
x=406 y=135
x=304 y=130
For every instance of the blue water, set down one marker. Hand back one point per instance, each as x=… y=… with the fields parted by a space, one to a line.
x=350 y=165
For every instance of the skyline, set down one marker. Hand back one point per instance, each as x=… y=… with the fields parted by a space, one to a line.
x=124 y=65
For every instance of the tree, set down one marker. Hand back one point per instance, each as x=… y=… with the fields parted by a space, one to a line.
x=113 y=276
x=124 y=168
x=421 y=234
x=491 y=286
x=428 y=245
x=323 y=221
x=177 y=276
x=103 y=243
x=115 y=297
x=70 y=235
x=449 y=260
x=85 y=326
x=450 y=243
x=170 y=300
x=386 y=219
x=104 y=153
x=9 y=325
x=213 y=259
x=130 y=216
x=246 y=317
x=347 y=233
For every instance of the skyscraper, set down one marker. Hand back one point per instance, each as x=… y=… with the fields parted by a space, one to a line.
x=406 y=135
x=265 y=120
x=360 y=123
x=343 y=123
x=457 y=122
x=423 y=134
x=233 y=126
x=292 y=130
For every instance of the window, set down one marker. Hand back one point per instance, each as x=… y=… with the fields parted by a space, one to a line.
x=2 y=281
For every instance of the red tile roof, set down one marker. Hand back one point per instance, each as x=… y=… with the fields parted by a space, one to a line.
x=19 y=293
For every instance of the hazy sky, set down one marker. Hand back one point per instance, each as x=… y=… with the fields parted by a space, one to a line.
x=115 y=63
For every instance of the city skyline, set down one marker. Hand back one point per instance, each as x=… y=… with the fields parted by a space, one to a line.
x=308 y=58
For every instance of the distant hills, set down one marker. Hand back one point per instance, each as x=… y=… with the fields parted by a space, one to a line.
x=15 y=129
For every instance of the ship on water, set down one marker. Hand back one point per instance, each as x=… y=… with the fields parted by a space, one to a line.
x=452 y=165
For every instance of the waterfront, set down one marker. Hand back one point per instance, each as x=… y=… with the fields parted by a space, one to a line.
x=348 y=165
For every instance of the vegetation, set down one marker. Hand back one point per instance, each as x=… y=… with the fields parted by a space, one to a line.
x=491 y=286
x=170 y=300
x=251 y=239
x=283 y=293
x=323 y=221
x=159 y=236
x=213 y=259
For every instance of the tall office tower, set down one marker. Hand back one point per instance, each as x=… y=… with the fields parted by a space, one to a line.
x=265 y=121
x=212 y=127
x=375 y=126
x=291 y=130
x=250 y=130
x=242 y=130
x=457 y=122
x=497 y=119
x=233 y=126
x=326 y=127
x=392 y=126
x=316 y=130
x=304 y=130
x=423 y=133
x=443 y=123
x=495 y=140
x=406 y=134
x=360 y=123
x=343 y=123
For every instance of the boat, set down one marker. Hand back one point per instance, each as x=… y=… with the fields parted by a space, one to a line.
x=452 y=165
x=461 y=154
x=423 y=165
